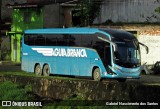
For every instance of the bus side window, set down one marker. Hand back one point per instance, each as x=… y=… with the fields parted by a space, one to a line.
x=86 y=40
x=29 y=39
x=75 y=40
x=51 y=40
x=61 y=40
x=71 y=40
x=40 y=40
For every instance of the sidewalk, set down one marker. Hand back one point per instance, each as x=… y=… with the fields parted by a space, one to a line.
x=7 y=66
x=8 y=63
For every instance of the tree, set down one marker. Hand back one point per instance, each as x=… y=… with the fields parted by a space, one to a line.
x=89 y=10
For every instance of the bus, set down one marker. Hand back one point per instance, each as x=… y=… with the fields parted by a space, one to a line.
x=90 y=52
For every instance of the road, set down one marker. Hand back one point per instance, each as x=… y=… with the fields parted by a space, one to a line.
x=10 y=68
x=152 y=79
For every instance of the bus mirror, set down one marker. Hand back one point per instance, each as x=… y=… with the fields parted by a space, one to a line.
x=147 y=49
x=114 y=47
x=112 y=43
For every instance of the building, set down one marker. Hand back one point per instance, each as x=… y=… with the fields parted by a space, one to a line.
x=34 y=15
x=136 y=16
x=128 y=11
x=5 y=26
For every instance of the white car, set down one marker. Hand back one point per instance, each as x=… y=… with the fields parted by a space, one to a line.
x=145 y=70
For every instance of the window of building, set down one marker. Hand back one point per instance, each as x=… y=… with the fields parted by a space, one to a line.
x=27 y=17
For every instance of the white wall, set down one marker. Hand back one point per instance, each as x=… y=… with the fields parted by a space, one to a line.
x=153 y=42
x=129 y=11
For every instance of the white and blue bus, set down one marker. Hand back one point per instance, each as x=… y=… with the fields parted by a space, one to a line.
x=92 y=52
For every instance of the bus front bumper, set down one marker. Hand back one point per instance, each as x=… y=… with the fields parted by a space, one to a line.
x=122 y=73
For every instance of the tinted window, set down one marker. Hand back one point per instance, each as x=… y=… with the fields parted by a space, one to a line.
x=62 y=40
x=103 y=49
x=40 y=40
x=71 y=40
x=29 y=39
x=99 y=46
x=81 y=40
x=87 y=40
x=75 y=40
x=51 y=40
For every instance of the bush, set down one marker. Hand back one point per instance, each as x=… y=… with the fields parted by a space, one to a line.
x=12 y=91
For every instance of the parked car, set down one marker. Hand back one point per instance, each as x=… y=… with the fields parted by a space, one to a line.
x=145 y=70
x=156 y=68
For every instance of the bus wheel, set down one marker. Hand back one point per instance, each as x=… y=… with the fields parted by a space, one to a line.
x=38 y=70
x=46 y=70
x=96 y=74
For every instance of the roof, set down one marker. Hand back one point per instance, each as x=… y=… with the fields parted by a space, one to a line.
x=23 y=5
x=39 y=3
x=119 y=34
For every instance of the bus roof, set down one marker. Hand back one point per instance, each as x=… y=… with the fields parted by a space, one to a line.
x=120 y=34
x=112 y=32
x=62 y=31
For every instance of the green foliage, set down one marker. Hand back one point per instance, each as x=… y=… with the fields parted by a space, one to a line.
x=89 y=10
x=28 y=88
x=157 y=10
x=11 y=91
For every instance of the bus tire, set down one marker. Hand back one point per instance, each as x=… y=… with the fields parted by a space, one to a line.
x=38 y=70
x=46 y=70
x=96 y=74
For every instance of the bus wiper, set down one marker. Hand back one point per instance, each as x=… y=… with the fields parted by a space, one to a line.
x=114 y=44
x=147 y=49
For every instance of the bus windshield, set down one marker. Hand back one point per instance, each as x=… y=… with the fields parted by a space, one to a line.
x=127 y=54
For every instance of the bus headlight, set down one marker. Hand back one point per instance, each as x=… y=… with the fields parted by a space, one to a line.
x=105 y=73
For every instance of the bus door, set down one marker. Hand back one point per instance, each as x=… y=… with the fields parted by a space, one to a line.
x=107 y=56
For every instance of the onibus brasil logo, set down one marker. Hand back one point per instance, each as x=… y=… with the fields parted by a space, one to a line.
x=62 y=52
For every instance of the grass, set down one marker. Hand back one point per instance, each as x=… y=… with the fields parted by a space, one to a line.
x=33 y=75
x=12 y=91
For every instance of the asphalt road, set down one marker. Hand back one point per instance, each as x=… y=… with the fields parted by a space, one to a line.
x=10 y=68
x=152 y=79
x=143 y=79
